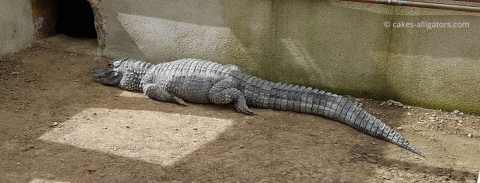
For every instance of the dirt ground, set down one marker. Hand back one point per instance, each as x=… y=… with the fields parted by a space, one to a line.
x=47 y=90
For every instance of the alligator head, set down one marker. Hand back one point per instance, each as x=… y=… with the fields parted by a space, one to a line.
x=110 y=75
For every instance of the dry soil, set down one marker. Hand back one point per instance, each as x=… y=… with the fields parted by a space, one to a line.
x=57 y=124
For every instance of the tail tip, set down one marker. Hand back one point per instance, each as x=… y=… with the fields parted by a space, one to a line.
x=416 y=151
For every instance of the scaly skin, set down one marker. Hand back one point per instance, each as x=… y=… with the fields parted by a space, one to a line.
x=201 y=81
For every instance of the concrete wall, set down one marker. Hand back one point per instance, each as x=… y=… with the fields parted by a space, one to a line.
x=16 y=25
x=342 y=47
x=44 y=15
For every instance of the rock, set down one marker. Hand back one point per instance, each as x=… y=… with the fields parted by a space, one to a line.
x=55 y=124
x=392 y=102
x=91 y=169
x=470 y=135
x=28 y=147
x=398 y=104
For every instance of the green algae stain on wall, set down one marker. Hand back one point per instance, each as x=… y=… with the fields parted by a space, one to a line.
x=433 y=83
x=342 y=50
x=418 y=73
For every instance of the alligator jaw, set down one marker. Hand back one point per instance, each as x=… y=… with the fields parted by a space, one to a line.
x=98 y=73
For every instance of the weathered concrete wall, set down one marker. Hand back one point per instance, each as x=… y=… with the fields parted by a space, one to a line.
x=44 y=15
x=343 y=47
x=98 y=22
x=16 y=25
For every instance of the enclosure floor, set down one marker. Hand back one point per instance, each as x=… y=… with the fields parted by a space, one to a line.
x=57 y=124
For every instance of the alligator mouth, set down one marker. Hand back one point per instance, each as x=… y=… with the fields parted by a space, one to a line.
x=99 y=73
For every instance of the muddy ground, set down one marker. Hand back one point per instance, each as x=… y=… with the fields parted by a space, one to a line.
x=43 y=89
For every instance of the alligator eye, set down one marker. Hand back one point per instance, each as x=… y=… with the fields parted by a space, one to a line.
x=109 y=64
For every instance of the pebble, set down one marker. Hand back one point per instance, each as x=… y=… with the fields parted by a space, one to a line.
x=478 y=177
x=399 y=128
x=55 y=124
x=470 y=135
x=395 y=103
x=371 y=160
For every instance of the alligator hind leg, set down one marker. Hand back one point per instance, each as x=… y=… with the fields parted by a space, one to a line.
x=155 y=92
x=225 y=92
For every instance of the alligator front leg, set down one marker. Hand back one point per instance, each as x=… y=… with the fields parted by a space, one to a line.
x=155 y=92
x=225 y=92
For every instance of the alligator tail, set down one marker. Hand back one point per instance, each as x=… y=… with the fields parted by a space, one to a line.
x=261 y=93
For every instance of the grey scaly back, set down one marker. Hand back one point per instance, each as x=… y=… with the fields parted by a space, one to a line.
x=201 y=81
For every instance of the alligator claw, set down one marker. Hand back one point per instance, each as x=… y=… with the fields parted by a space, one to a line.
x=179 y=101
x=244 y=110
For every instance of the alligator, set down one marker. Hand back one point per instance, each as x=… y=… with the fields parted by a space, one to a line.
x=202 y=81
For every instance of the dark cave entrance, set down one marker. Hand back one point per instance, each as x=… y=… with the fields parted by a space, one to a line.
x=75 y=18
